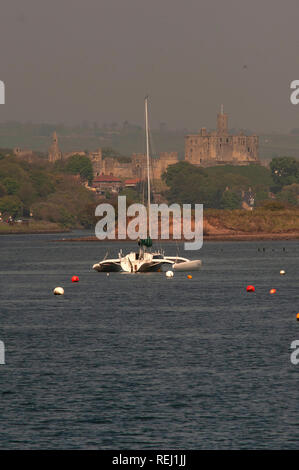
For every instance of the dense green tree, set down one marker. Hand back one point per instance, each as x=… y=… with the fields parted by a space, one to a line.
x=27 y=194
x=289 y=194
x=49 y=192
x=80 y=165
x=255 y=175
x=10 y=205
x=87 y=217
x=285 y=171
x=287 y=197
x=261 y=195
x=10 y=168
x=3 y=191
x=230 y=200
x=42 y=182
x=186 y=183
x=190 y=184
x=11 y=185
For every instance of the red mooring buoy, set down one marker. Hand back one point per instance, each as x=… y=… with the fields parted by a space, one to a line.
x=250 y=289
x=75 y=279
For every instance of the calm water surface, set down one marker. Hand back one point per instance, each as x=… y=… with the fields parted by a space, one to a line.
x=142 y=361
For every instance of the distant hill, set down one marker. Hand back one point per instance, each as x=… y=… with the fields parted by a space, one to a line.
x=126 y=140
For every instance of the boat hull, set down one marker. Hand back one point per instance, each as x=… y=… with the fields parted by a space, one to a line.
x=187 y=265
x=150 y=267
x=107 y=268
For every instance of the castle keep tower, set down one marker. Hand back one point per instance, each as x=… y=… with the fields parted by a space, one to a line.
x=219 y=147
x=54 y=153
x=97 y=162
x=222 y=122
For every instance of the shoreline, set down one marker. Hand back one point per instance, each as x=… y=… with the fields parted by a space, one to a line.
x=34 y=228
x=222 y=237
x=34 y=232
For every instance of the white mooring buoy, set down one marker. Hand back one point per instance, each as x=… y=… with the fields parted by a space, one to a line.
x=282 y=272
x=58 y=291
x=169 y=273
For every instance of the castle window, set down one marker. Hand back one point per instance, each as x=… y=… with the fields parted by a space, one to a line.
x=227 y=140
x=248 y=149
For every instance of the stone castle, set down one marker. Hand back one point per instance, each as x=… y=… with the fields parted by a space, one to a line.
x=114 y=166
x=220 y=147
x=203 y=149
x=54 y=153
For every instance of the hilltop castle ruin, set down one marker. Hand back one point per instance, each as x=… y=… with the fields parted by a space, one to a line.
x=220 y=147
x=114 y=166
x=54 y=153
x=203 y=149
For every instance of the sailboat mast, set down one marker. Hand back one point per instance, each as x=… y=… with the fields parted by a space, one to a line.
x=148 y=167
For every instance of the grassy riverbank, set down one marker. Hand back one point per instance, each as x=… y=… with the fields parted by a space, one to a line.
x=33 y=227
x=258 y=221
x=238 y=225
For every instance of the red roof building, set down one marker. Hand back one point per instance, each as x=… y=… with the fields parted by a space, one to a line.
x=131 y=183
x=109 y=183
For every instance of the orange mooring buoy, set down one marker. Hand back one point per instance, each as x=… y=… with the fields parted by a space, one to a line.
x=273 y=291
x=297 y=316
x=189 y=276
x=250 y=289
x=75 y=279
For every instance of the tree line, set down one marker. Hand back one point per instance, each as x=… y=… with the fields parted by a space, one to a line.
x=226 y=187
x=47 y=191
x=55 y=192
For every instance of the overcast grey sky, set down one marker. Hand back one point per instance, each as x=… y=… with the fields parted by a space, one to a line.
x=74 y=60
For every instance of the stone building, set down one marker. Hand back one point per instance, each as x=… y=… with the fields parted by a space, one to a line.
x=134 y=168
x=109 y=183
x=116 y=167
x=158 y=164
x=97 y=162
x=54 y=153
x=220 y=147
x=204 y=149
x=23 y=154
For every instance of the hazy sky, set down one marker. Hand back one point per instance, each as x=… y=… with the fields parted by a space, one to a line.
x=74 y=60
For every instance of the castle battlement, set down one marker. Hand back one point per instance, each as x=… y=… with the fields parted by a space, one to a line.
x=220 y=147
x=204 y=149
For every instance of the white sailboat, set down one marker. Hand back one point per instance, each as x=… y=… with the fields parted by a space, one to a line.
x=145 y=260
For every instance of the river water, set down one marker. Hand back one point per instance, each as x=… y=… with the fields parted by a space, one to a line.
x=142 y=361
